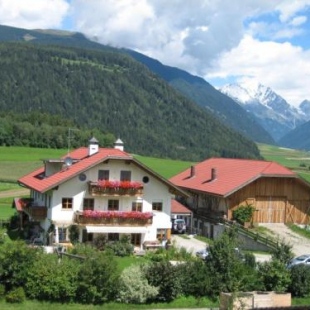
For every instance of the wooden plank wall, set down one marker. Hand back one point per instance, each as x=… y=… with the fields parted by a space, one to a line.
x=276 y=199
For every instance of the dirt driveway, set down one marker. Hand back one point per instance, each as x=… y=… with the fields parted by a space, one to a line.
x=193 y=245
x=300 y=245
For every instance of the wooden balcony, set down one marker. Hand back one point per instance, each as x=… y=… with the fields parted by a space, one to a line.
x=36 y=213
x=113 y=218
x=33 y=209
x=97 y=189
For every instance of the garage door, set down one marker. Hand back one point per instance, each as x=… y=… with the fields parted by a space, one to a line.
x=269 y=210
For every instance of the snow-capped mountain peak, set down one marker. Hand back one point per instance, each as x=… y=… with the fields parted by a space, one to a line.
x=273 y=112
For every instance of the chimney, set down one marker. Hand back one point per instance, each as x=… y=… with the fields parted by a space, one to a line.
x=118 y=144
x=193 y=171
x=93 y=146
x=213 y=174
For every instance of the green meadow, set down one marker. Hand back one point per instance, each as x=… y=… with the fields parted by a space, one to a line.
x=18 y=161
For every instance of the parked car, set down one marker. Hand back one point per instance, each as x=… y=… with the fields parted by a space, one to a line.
x=178 y=226
x=302 y=259
x=203 y=253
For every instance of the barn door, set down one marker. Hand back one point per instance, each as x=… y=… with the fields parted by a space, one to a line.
x=269 y=209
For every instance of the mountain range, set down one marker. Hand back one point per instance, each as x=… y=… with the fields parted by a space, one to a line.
x=272 y=111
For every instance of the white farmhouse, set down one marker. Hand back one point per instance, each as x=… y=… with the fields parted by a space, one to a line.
x=100 y=191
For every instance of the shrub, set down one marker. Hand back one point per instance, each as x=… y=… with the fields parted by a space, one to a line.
x=97 y=279
x=120 y=248
x=275 y=275
x=300 y=281
x=16 y=295
x=164 y=276
x=52 y=280
x=283 y=253
x=243 y=214
x=134 y=287
x=100 y=242
x=74 y=234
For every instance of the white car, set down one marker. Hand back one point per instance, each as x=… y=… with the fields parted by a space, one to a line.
x=302 y=259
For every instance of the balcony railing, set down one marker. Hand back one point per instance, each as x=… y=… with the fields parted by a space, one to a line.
x=37 y=213
x=115 y=188
x=32 y=208
x=113 y=218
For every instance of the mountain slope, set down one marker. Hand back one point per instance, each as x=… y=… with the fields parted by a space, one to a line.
x=271 y=110
x=110 y=91
x=192 y=87
x=298 y=138
x=205 y=95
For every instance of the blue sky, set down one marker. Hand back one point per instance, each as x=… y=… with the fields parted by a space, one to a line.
x=222 y=41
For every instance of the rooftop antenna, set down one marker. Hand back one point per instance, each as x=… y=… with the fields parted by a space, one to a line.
x=69 y=137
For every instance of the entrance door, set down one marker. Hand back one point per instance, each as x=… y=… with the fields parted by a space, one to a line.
x=136 y=239
x=269 y=209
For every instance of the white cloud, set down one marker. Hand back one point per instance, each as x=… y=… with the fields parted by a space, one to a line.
x=211 y=38
x=33 y=13
x=281 y=66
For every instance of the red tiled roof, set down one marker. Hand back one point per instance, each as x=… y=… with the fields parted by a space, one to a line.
x=230 y=175
x=177 y=207
x=81 y=163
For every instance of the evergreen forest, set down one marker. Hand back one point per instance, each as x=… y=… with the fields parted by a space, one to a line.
x=46 y=90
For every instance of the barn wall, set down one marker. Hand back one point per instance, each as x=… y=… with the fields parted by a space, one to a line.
x=276 y=200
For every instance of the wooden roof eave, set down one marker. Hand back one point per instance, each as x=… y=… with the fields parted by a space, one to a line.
x=258 y=177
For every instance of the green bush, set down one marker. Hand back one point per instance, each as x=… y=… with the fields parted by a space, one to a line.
x=165 y=276
x=120 y=248
x=53 y=280
x=100 y=242
x=283 y=253
x=97 y=279
x=243 y=214
x=134 y=287
x=275 y=276
x=16 y=295
x=300 y=281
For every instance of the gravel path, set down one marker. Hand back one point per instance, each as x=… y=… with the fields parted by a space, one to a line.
x=300 y=245
x=14 y=193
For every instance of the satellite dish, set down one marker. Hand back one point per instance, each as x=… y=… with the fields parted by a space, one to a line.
x=68 y=161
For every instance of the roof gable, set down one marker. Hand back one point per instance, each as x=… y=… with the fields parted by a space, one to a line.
x=223 y=176
x=82 y=161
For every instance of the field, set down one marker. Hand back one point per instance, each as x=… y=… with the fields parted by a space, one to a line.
x=298 y=161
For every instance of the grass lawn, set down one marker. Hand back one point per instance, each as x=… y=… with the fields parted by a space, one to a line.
x=6 y=210
x=183 y=302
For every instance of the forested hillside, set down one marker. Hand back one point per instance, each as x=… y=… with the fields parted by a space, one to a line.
x=205 y=95
x=107 y=91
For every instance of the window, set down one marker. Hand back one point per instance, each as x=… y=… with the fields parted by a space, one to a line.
x=113 y=205
x=157 y=206
x=137 y=206
x=113 y=236
x=103 y=174
x=88 y=203
x=125 y=175
x=62 y=234
x=67 y=203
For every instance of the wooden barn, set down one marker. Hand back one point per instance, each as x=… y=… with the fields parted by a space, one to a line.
x=218 y=186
